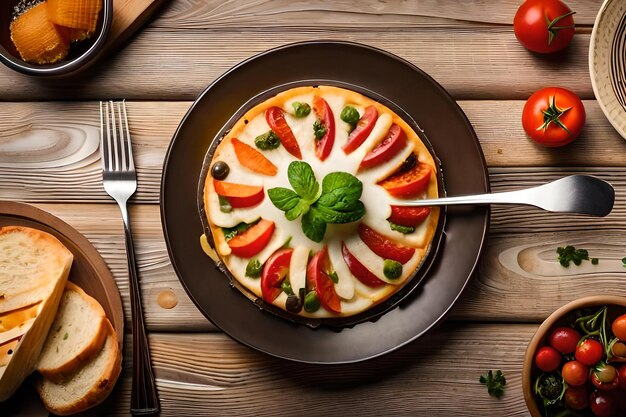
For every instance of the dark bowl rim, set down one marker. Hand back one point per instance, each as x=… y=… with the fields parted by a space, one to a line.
x=64 y=67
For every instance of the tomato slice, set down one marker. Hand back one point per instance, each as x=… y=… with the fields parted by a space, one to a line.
x=317 y=277
x=408 y=216
x=253 y=240
x=275 y=118
x=239 y=195
x=274 y=272
x=362 y=130
x=393 y=143
x=383 y=246
x=408 y=184
x=324 y=145
x=252 y=159
x=359 y=270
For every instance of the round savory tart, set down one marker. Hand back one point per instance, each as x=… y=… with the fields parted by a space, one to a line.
x=304 y=198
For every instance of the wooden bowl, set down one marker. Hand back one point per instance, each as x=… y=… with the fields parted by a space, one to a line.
x=557 y=319
x=80 y=56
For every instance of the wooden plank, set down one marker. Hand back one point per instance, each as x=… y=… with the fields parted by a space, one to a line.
x=57 y=143
x=295 y=15
x=209 y=374
x=471 y=63
x=128 y=16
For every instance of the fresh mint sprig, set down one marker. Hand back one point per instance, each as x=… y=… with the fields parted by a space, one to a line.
x=337 y=201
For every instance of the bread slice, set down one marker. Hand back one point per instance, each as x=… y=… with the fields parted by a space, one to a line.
x=89 y=386
x=77 y=334
x=34 y=267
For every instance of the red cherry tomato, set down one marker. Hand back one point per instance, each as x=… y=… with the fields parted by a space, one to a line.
x=553 y=116
x=575 y=373
x=589 y=352
x=317 y=277
x=275 y=118
x=564 y=339
x=324 y=145
x=547 y=359
x=362 y=130
x=408 y=184
x=602 y=404
x=544 y=26
x=619 y=327
x=605 y=377
x=621 y=376
x=577 y=398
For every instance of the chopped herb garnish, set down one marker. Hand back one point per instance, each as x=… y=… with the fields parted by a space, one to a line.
x=231 y=232
x=594 y=261
x=319 y=130
x=624 y=262
x=334 y=277
x=267 y=141
x=225 y=206
x=301 y=109
x=567 y=254
x=65 y=336
x=286 y=287
x=402 y=229
x=495 y=383
x=253 y=269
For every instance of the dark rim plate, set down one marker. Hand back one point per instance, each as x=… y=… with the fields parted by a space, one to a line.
x=454 y=143
x=377 y=310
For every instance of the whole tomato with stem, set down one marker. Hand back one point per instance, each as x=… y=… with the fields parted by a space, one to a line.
x=544 y=26
x=553 y=116
x=605 y=377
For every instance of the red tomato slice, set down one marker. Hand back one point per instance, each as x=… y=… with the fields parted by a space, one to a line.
x=393 y=143
x=408 y=184
x=383 y=246
x=317 y=277
x=239 y=195
x=253 y=240
x=276 y=120
x=408 y=216
x=324 y=145
x=359 y=270
x=362 y=130
x=274 y=272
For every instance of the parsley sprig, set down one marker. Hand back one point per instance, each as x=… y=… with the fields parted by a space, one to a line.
x=495 y=383
x=336 y=201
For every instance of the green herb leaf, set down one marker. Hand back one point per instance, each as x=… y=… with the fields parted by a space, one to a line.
x=253 y=269
x=65 y=336
x=495 y=383
x=329 y=215
x=267 y=141
x=286 y=287
x=302 y=180
x=402 y=229
x=231 y=232
x=624 y=261
x=301 y=109
x=225 y=206
x=334 y=277
x=567 y=254
x=283 y=198
x=313 y=226
x=299 y=209
x=319 y=130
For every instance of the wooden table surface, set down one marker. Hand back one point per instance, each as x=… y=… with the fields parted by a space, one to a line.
x=49 y=157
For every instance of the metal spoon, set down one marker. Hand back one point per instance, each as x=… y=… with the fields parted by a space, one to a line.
x=581 y=194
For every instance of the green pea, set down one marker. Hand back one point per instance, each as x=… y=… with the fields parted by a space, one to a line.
x=350 y=115
x=311 y=302
x=392 y=269
x=301 y=109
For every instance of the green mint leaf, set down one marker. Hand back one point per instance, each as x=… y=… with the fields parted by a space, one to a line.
x=253 y=269
x=302 y=180
x=283 y=198
x=267 y=141
x=225 y=206
x=301 y=109
x=344 y=188
x=334 y=216
x=402 y=229
x=299 y=209
x=313 y=226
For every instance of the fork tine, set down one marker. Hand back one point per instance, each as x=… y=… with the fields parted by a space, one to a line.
x=105 y=137
x=116 y=158
x=122 y=136
x=131 y=163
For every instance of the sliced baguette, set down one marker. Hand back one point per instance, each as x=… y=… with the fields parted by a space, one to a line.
x=34 y=267
x=89 y=386
x=77 y=334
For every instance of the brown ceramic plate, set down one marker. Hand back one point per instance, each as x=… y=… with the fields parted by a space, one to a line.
x=410 y=89
x=89 y=271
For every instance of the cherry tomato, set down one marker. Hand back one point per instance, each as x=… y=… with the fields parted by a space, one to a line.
x=408 y=184
x=547 y=359
x=383 y=246
x=575 y=373
x=602 y=404
x=275 y=118
x=362 y=130
x=553 y=116
x=621 y=376
x=577 y=398
x=589 y=352
x=564 y=339
x=605 y=377
x=544 y=26
x=317 y=277
x=253 y=240
x=324 y=145
x=619 y=349
x=619 y=327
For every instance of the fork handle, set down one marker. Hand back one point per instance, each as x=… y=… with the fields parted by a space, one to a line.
x=144 y=398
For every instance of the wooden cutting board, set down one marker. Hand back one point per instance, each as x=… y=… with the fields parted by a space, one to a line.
x=128 y=16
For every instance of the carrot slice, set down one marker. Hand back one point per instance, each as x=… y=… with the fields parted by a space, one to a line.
x=253 y=159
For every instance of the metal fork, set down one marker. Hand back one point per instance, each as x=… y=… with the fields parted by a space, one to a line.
x=120 y=182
